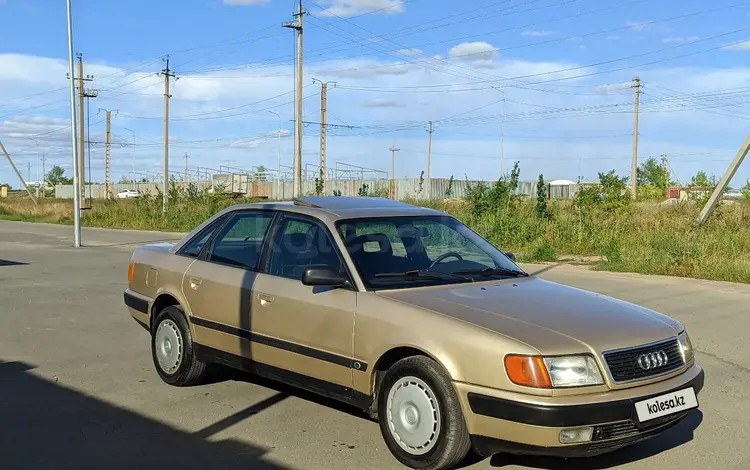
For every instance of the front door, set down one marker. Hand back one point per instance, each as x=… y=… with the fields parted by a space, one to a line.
x=307 y=330
x=218 y=286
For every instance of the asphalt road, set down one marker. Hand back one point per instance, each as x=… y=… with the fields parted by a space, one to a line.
x=78 y=389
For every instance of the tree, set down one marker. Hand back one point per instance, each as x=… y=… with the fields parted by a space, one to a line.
x=541 y=199
x=652 y=173
x=56 y=176
x=260 y=173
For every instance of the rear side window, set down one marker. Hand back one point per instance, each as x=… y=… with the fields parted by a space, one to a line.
x=240 y=241
x=193 y=247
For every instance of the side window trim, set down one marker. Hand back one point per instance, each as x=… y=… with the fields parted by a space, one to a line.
x=277 y=234
x=208 y=247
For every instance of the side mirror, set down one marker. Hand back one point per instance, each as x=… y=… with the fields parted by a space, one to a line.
x=511 y=256
x=323 y=276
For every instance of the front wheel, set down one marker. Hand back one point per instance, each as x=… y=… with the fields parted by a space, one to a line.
x=420 y=416
x=172 y=350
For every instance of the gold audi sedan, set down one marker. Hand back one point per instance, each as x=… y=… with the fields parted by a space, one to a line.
x=409 y=315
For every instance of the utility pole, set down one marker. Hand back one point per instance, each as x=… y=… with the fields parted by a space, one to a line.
x=634 y=176
x=186 y=166
x=713 y=201
x=298 y=26
x=28 y=171
x=74 y=146
x=107 y=155
x=392 y=191
x=44 y=173
x=18 y=173
x=429 y=156
x=81 y=132
x=167 y=75
x=323 y=127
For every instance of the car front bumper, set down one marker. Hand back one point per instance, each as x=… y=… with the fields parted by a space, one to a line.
x=498 y=423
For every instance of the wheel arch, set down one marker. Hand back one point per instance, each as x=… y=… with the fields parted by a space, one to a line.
x=396 y=353
x=163 y=300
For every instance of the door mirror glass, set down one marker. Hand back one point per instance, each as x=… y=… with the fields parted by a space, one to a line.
x=510 y=255
x=323 y=276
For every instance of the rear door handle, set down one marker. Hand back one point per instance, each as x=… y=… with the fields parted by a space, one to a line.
x=195 y=283
x=265 y=300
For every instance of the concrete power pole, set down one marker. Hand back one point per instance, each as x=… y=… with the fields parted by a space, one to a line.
x=81 y=131
x=392 y=191
x=298 y=26
x=18 y=173
x=44 y=173
x=634 y=177
x=713 y=201
x=186 y=166
x=429 y=153
x=323 y=127
x=107 y=155
x=167 y=75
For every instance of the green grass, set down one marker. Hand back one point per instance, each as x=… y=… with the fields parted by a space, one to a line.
x=642 y=237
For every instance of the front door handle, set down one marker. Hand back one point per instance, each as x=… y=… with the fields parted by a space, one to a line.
x=195 y=283
x=265 y=300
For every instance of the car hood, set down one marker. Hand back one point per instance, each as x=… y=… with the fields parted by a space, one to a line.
x=550 y=317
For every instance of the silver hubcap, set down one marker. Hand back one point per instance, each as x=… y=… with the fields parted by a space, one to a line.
x=413 y=415
x=168 y=344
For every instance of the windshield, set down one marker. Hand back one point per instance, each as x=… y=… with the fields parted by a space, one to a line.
x=385 y=249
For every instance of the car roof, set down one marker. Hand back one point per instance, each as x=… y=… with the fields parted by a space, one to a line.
x=343 y=207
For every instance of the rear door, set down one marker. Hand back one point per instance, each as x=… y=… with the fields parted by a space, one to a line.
x=303 y=329
x=218 y=285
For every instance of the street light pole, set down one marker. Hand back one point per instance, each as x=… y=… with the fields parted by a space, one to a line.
x=74 y=139
x=279 y=193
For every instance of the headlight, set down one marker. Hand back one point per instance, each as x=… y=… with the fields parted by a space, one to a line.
x=549 y=372
x=686 y=347
x=573 y=371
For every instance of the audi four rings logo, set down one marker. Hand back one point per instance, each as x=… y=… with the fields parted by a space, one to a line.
x=652 y=360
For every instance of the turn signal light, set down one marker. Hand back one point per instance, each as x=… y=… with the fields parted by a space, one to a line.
x=528 y=371
x=131 y=271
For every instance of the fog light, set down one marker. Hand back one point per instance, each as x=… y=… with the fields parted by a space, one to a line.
x=571 y=436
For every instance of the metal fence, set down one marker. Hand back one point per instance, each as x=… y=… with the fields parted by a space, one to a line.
x=412 y=188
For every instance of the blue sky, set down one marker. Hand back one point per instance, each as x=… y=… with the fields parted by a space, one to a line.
x=543 y=82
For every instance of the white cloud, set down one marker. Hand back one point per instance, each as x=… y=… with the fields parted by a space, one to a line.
x=738 y=46
x=535 y=33
x=382 y=103
x=612 y=38
x=224 y=115
x=636 y=25
x=680 y=39
x=478 y=50
x=346 y=8
x=410 y=52
x=245 y=2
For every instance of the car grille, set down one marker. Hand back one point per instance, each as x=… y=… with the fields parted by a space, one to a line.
x=614 y=431
x=623 y=364
x=614 y=435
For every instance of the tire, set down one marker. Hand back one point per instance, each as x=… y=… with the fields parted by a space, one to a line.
x=417 y=402
x=172 y=350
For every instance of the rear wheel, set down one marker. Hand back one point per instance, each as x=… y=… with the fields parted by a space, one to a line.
x=420 y=415
x=172 y=349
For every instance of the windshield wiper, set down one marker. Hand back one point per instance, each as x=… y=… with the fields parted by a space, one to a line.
x=493 y=271
x=416 y=274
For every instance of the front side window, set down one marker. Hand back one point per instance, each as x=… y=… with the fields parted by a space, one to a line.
x=299 y=244
x=194 y=247
x=404 y=251
x=240 y=241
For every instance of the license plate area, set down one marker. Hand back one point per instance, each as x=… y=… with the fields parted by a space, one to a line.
x=650 y=411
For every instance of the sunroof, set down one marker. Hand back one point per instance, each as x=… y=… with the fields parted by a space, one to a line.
x=348 y=202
